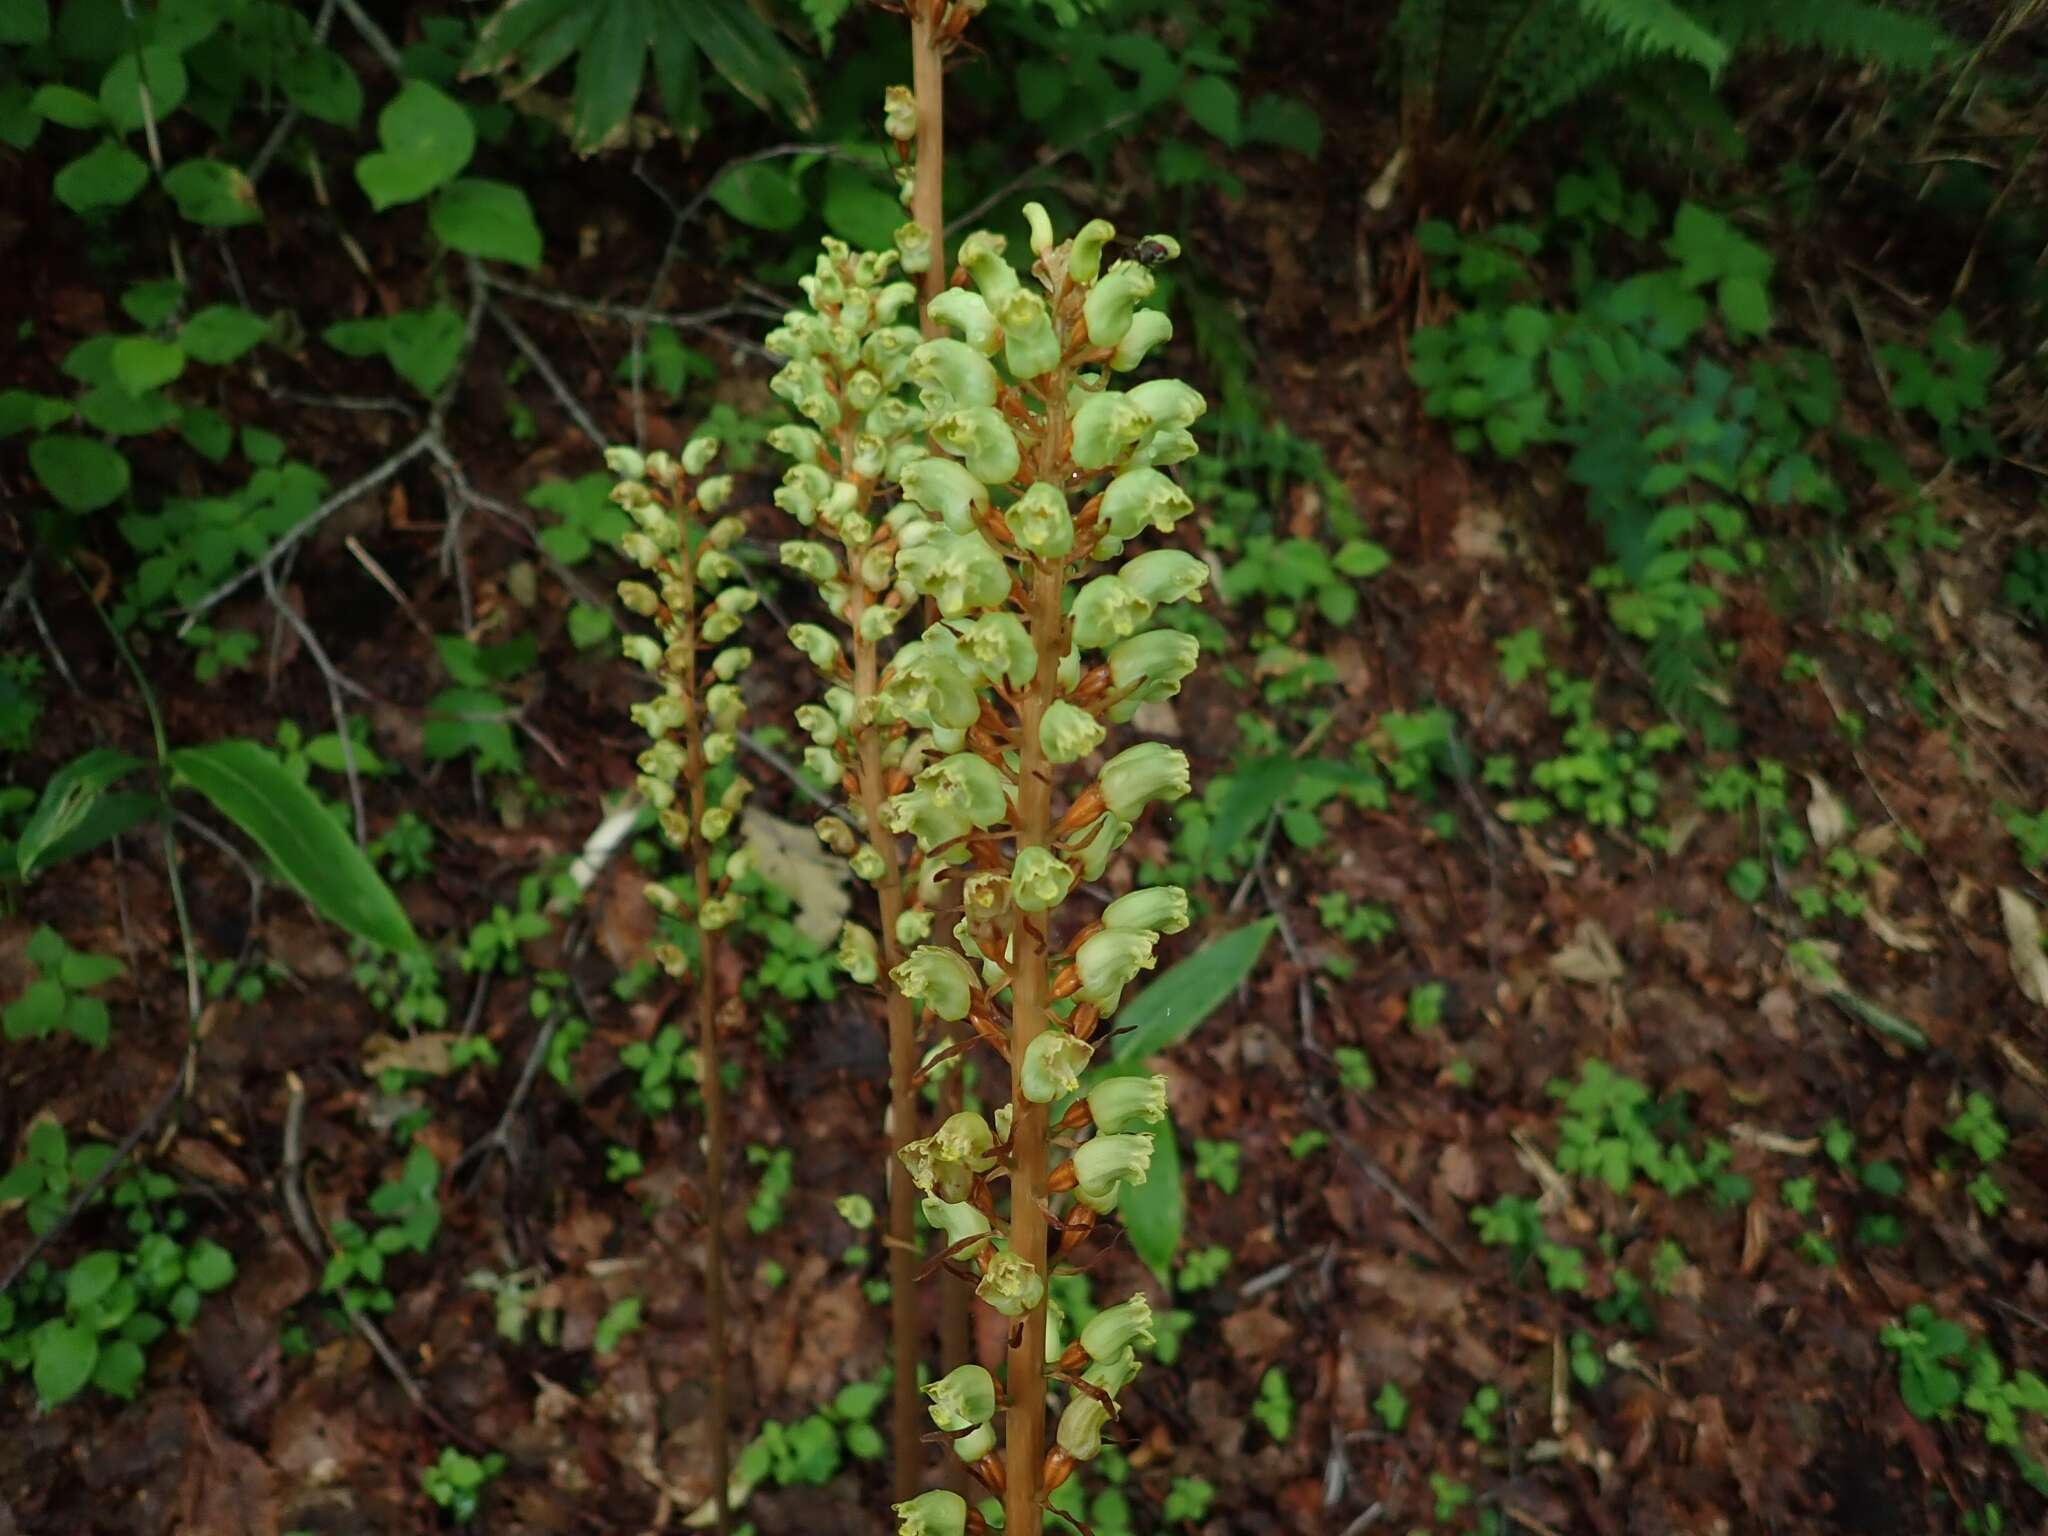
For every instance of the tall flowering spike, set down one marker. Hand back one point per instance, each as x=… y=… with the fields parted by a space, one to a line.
x=695 y=599
x=1039 y=458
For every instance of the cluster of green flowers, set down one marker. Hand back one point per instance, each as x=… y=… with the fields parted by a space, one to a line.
x=1045 y=638
x=697 y=603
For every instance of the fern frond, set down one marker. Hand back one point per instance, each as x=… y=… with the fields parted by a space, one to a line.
x=1861 y=31
x=1658 y=27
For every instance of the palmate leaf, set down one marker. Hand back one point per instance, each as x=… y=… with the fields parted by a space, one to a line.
x=611 y=41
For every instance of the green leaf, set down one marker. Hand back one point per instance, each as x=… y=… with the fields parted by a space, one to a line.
x=91 y=1278
x=858 y=210
x=121 y=87
x=1212 y=102
x=1171 y=1008
x=427 y=139
x=1361 y=559
x=151 y=303
x=142 y=363
x=66 y=107
x=81 y=970
x=357 y=338
x=1745 y=306
x=746 y=51
x=82 y=474
x=249 y=786
x=491 y=219
x=609 y=68
x=23 y=410
x=763 y=194
x=213 y=193
x=424 y=345
x=319 y=82
x=87 y=1019
x=261 y=448
x=209 y=1266
x=119 y=1369
x=1286 y=121
x=220 y=333
x=64 y=1358
x=37 y=1013
x=1154 y=1213
x=71 y=801
x=589 y=626
x=103 y=177
x=25 y=23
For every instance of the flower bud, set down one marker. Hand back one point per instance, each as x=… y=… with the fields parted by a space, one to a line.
x=1094 y=844
x=956 y=1220
x=1159 y=909
x=800 y=443
x=715 y=823
x=1165 y=575
x=946 y=490
x=899 y=113
x=724 y=704
x=819 y=646
x=981 y=253
x=1001 y=647
x=975 y=1444
x=963 y=1398
x=639 y=598
x=642 y=650
x=731 y=662
x=1111 y=302
x=1040 y=523
x=958 y=571
x=626 y=463
x=662 y=899
x=819 y=723
x=1053 y=1064
x=1110 y=960
x=1138 y=775
x=1121 y=1104
x=1103 y=1164
x=938 y=978
x=1107 y=610
x=1068 y=733
x=822 y=764
x=952 y=376
x=937 y=1513
x=914 y=246
x=1030 y=345
x=816 y=562
x=1040 y=880
x=697 y=455
x=979 y=435
x=1010 y=1285
x=1106 y=427
x=913 y=927
x=1040 y=224
x=1084 y=255
x=714 y=493
x=719 y=912
x=1143 y=498
x=1151 y=666
x=968 y=313
x=858 y=955
x=1082 y=1421
x=1150 y=328
x=925 y=687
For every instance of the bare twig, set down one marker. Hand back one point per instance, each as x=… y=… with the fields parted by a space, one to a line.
x=1045 y=163
x=334 y=679
x=531 y=351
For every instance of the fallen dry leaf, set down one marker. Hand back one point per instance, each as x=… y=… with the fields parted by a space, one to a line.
x=2023 y=938
x=1826 y=817
x=1589 y=958
x=790 y=858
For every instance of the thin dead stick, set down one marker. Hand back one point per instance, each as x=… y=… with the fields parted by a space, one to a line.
x=334 y=680
x=544 y=366
x=383 y=579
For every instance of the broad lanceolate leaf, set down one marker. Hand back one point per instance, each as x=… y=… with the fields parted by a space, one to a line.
x=1169 y=1010
x=1155 y=1212
x=212 y=193
x=74 y=806
x=248 y=785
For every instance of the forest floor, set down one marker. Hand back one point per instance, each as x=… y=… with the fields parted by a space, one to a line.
x=1700 y=1357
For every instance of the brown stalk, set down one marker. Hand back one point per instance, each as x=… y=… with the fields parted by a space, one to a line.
x=928 y=208
x=1024 y=1424
x=710 y=1083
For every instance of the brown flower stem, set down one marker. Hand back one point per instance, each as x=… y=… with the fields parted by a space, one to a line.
x=928 y=189
x=1030 y=998
x=709 y=1082
x=904 y=1413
